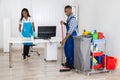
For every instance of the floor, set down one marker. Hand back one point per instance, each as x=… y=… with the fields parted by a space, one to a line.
x=37 y=69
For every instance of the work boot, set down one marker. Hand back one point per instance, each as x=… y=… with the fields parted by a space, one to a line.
x=29 y=57
x=71 y=67
x=24 y=58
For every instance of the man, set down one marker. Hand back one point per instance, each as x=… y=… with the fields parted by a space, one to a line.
x=71 y=27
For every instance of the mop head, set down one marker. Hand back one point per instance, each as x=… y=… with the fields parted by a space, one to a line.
x=65 y=69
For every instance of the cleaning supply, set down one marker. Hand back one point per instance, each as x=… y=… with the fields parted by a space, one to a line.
x=95 y=35
x=85 y=33
x=110 y=62
x=95 y=47
x=99 y=59
x=95 y=61
x=100 y=35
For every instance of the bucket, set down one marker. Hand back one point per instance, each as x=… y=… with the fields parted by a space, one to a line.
x=110 y=62
x=100 y=35
x=99 y=59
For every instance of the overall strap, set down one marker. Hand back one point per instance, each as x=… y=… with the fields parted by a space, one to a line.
x=71 y=18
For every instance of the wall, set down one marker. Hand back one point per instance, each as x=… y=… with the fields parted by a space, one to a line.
x=1 y=33
x=87 y=14
x=47 y=12
x=8 y=10
x=103 y=15
x=44 y=12
x=108 y=21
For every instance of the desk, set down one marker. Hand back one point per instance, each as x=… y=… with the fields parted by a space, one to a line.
x=50 y=52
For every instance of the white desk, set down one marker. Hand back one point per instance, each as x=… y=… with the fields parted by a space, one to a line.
x=50 y=52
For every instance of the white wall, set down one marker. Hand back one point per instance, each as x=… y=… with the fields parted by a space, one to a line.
x=103 y=15
x=49 y=12
x=108 y=21
x=87 y=15
x=45 y=12
x=9 y=10
x=1 y=28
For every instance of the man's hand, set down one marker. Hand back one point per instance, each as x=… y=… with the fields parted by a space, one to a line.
x=62 y=22
x=63 y=41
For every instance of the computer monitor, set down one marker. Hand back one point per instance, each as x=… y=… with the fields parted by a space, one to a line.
x=46 y=32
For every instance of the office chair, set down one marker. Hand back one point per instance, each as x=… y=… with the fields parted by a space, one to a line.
x=32 y=50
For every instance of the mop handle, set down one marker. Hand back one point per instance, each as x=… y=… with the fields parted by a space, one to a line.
x=62 y=55
x=62 y=29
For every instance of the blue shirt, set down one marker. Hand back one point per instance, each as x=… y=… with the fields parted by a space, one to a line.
x=73 y=24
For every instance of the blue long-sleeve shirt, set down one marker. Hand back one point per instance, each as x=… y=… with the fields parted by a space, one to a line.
x=73 y=24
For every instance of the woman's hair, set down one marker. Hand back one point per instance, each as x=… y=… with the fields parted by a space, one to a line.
x=24 y=9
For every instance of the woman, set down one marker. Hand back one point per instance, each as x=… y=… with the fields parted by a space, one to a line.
x=26 y=29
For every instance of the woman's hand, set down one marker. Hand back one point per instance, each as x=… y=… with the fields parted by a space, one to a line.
x=21 y=35
x=34 y=35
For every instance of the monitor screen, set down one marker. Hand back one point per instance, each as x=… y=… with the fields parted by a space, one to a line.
x=46 y=32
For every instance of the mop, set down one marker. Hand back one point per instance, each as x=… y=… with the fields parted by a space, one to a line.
x=63 y=69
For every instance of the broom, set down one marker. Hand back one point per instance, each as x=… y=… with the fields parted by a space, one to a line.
x=62 y=53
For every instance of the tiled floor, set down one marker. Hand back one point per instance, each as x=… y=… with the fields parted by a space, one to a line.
x=37 y=69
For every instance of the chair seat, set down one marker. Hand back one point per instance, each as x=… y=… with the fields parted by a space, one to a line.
x=31 y=49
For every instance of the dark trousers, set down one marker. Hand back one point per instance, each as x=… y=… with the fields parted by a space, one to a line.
x=26 y=51
x=69 y=51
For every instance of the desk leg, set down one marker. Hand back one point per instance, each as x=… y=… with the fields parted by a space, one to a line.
x=10 y=56
x=50 y=52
